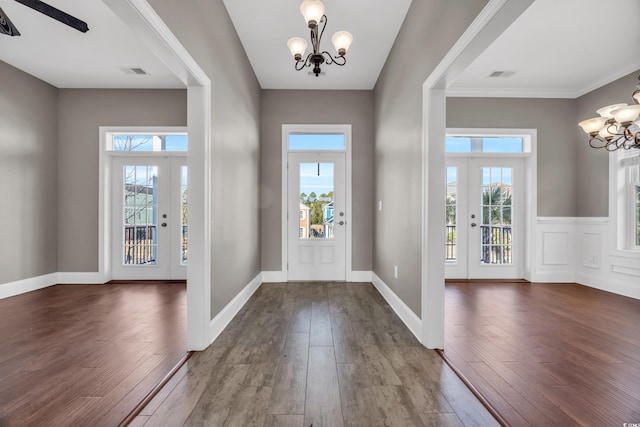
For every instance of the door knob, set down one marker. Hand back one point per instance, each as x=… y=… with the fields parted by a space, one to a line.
x=473 y=224
x=164 y=224
x=341 y=223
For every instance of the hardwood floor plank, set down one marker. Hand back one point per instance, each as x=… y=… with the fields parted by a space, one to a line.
x=289 y=388
x=284 y=421
x=250 y=407
x=320 y=329
x=395 y=406
x=218 y=397
x=322 y=405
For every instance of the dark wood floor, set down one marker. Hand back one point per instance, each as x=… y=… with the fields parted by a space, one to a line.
x=87 y=354
x=547 y=354
x=327 y=354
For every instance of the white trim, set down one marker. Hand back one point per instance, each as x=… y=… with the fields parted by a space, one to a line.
x=140 y=17
x=220 y=322
x=81 y=278
x=360 y=276
x=345 y=129
x=572 y=220
x=274 y=276
x=405 y=314
x=18 y=287
x=483 y=92
x=494 y=18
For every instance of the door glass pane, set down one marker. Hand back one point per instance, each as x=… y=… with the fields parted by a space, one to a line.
x=183 y=210
x=496 y=244
x=140 y=211
x=316 y=201
x=451 y=214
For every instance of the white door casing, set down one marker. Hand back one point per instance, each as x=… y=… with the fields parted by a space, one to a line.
x=324 y=257
x=149 y=246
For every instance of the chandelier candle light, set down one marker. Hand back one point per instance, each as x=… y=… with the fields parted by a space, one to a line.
x=313 y=13
x=617 y=127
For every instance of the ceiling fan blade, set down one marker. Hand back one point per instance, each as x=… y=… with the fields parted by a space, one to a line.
x=56 y=14
x=6 y=26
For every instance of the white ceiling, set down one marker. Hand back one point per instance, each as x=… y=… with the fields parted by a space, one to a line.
x=265 y=26
x=557 y=48
x=67 y=58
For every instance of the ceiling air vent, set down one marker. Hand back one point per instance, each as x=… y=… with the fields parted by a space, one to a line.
x=502 y=74
x=134 y=70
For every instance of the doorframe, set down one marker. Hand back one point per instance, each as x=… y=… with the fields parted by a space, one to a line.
x=492 y=21
x=529 y=173
x=147 y=25
x=305 y=128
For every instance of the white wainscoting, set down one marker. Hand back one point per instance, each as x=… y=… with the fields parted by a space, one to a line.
x=581 y=250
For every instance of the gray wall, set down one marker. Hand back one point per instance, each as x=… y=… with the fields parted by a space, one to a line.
x=329 y=107
x=429 y=30
x=28 y=175
x=81 y=112
x=592 y=189
x=205 y=30
x=555 y=121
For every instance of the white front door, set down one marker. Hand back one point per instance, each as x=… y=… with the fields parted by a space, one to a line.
x=316 y=224
x=484 y=213
x=149 y=240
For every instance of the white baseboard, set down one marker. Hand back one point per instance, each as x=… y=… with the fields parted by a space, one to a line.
x=223 y=318
x=409 y=318
x=274 y=276
x=27 y=285
x=360 y=276
x=81 y=278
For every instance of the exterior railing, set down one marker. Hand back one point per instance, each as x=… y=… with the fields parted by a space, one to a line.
x=496 y=244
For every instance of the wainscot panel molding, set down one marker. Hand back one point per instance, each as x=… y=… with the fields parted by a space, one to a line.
x=220 y=322
x=18 y=287
x=409 y=318
x=581 y=250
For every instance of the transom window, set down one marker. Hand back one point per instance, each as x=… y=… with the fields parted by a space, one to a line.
x=147 y=142
x=486 y=144
x=317 y=141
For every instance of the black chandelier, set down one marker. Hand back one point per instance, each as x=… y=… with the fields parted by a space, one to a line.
x=313 y=12
x=617 y=127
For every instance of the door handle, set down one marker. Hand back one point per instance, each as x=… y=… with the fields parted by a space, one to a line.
x=164 y=224
x=473 y=224
x=341 y=223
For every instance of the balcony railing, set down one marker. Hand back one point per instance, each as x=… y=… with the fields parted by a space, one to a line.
x=496 y=244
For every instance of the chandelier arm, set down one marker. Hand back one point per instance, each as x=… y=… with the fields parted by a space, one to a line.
x=338 y=60
x=323 y=21
x=599 y=139
x=301 y=64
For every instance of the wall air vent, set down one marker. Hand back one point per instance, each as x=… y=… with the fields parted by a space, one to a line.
x=502 y=74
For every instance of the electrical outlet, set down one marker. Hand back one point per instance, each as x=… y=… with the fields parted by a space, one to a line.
x=395 y=271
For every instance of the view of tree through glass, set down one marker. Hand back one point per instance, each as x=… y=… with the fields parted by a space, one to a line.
x=495 y=226
x=316 y=201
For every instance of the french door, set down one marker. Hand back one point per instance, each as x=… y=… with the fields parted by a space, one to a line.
x=316 y=216
x=149 y=217
x=484 y=218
